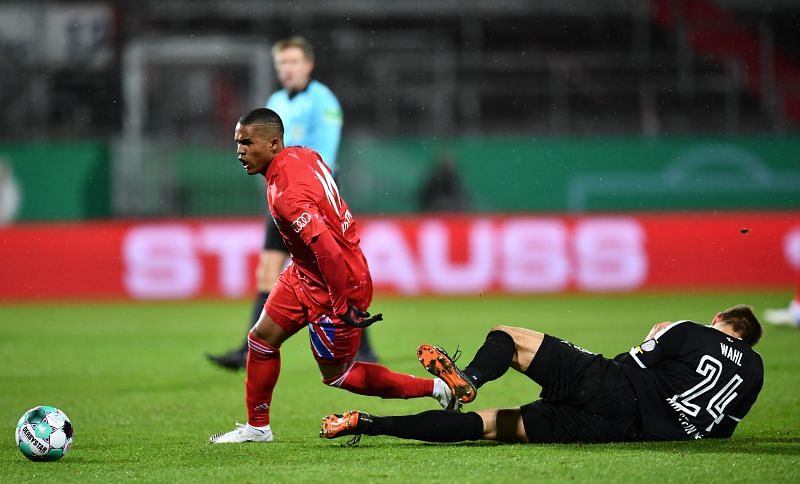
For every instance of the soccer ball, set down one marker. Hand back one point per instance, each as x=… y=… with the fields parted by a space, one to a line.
x=44 y=433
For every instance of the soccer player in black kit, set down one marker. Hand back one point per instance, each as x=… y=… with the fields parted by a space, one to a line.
x=685 y=381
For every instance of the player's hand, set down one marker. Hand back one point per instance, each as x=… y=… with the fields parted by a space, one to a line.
x=357 y=318
x=656 y=328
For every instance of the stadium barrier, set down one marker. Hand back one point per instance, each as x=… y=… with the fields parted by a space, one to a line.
x=521 y=254
x=577 y=175
x=152 y=178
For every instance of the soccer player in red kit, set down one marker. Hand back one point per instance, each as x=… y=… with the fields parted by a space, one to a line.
x=327 y=287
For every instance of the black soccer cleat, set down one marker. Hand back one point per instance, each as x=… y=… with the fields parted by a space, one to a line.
x=233 y=360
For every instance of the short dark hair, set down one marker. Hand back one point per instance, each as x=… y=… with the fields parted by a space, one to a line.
x=263 y=116
x=744 y=322
x=294 y=41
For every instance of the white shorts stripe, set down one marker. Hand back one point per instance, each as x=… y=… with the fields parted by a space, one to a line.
x=338 y=381
x=633 y=352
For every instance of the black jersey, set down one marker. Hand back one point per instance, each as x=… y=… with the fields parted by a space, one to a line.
x=693 y=381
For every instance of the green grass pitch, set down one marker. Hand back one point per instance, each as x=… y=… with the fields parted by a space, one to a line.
x=143 y=400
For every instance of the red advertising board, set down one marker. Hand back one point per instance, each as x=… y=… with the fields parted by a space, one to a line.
x=413 y=255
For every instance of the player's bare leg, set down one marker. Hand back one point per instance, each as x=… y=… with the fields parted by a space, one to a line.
x=269 y=331
x=332 y=371
x=503 y=424
x=526 y=345
x=268 y=269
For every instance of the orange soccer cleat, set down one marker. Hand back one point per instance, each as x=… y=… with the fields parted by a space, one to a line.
x=438 y=363
x=349 y=423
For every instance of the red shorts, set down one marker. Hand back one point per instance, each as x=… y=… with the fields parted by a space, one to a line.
x=292 y=307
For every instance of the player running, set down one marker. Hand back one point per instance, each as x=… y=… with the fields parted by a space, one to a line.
x=311 y=117
x=327 y=287
x=686 y=381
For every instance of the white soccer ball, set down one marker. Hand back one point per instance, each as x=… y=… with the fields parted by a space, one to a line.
x=44 y=433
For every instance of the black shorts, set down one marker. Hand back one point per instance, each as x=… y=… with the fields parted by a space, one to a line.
x=272 y=237
x=585 y=397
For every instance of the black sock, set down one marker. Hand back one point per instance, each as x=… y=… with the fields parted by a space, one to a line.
x=364 y=347
x=430 y=426
x=492 y=359
x=258 y=306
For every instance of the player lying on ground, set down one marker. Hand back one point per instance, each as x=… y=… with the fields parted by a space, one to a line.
x=327 y=287
x=686 y=381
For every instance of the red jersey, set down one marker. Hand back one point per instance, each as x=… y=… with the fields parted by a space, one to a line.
x=304 y=202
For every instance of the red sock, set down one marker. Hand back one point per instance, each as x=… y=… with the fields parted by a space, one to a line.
x=263 y=368
x=376 y=380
